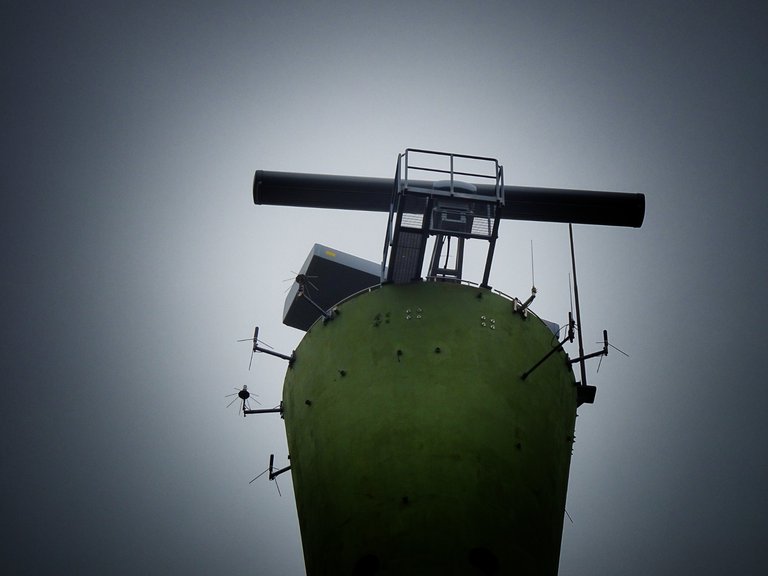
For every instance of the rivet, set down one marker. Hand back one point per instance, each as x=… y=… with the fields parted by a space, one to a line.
x=418 y=316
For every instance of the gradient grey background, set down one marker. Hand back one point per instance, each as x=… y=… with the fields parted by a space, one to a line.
x=133 y=258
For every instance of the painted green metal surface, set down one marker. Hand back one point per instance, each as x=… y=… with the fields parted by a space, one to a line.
x=417 y=449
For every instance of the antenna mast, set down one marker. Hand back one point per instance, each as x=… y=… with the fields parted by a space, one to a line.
x=582 y=366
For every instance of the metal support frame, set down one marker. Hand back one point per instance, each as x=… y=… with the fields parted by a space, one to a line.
x=276 y=354
x=406 y=191
x=257 y=348
x=603 y=352
x=275 y=473
x=272 y=473
x=279 y=410
x=492 y=246
x=445 y=272
x=326 y=314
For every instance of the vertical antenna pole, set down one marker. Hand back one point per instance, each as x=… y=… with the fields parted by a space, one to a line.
x=578 y=310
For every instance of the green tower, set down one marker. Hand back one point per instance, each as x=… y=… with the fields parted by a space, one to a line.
x=429 y=420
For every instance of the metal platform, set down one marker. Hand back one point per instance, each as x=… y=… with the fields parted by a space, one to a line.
x=444 y=208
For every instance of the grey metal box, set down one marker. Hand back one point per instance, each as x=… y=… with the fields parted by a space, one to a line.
x=332 y=276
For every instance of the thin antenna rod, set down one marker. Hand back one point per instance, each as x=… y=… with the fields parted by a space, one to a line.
x=533 y=278
x=578 y=310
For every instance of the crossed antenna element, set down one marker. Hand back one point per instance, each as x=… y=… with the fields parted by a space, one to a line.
x=257 y=348
x=273 y=473
x=607 y=344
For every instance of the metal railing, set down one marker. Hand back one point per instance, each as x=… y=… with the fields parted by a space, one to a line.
x=430 y=206
x=405 y=169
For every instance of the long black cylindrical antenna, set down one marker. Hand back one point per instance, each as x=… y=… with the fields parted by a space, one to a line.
x=520 y=202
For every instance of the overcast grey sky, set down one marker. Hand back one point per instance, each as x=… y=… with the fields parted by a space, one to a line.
x=133 y=257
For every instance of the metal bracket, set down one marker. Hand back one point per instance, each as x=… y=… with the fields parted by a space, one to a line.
x=273 y=474
x=302 y=293
x=522 y=308
x=257 y=348
x=278 y=410
x=568 y=338
x=603 y=352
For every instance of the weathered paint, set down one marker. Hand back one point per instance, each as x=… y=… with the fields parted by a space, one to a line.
x=417 y=449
